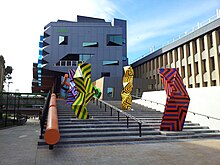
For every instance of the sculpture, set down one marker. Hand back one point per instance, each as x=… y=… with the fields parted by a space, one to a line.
x=177 y=100
x=83 y=84
x=128 y=85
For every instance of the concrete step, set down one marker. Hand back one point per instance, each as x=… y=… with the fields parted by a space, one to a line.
x=105 y=134
x=102 y=128
x=80 y=122
x=105 y=129
x=127 y=139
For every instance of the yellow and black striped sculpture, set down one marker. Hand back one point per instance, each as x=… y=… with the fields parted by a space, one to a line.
x=83 y=84
x=128 y=85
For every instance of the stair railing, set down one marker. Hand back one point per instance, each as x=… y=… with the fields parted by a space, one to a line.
x=43 y=115
x=119 y=111
x=52 y=134
x=195 y=113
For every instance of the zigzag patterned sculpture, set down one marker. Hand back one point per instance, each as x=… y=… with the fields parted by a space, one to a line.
x=128 y=85
x=177 y=100
x=83 y=84
x=71 y=89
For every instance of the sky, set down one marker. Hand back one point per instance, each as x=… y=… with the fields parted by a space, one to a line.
x=150 y=24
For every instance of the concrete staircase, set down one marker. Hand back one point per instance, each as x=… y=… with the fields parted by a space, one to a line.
x=104 y=129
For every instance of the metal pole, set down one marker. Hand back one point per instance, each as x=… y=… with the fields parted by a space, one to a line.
x=18 y=107
x=118 y=115
x=14 y=108
x=50 y=147
x=127 y=121
x=139 y=129
x=111 y=110
x=97 y=102
x=105 y=107
x=100 y=104
x=6 y=115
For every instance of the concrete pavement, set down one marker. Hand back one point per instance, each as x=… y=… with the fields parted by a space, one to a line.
x=19 y=146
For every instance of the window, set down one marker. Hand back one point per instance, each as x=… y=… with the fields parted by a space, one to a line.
x=90 y=44
x=212 y=63
x=202 y=43
x=63 y=40
x=110 y=62
x=204 y=65
x=138 y=92
x=124 y=58
x=66 y=63
x=195 y=42
x=211 y=40
x=196 y=68
x=105 y=74
x=114 y=40
x=41 y=44
x=189 y=70
x=213 y=82
x=84 y=57
x=183 y=71
x=110 y=92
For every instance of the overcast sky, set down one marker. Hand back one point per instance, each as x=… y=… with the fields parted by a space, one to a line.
x=150 y=23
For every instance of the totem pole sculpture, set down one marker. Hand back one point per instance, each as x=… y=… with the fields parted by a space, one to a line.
x=83 y=84
x=177 y=100
x=128 y=85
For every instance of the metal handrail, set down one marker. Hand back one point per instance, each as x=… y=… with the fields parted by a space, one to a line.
x=140 y=122
x=44 y=114
x=195 y=113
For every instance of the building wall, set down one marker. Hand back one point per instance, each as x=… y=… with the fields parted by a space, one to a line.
x=197 y=56
x=111 y=87
x=64 y=45
x=204 y=100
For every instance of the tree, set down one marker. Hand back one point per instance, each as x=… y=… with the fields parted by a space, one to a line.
x=2 y=75
x=6 y=74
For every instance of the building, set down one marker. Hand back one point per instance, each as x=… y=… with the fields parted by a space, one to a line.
x=2 y=71
x=196 y=55
x=65 y=44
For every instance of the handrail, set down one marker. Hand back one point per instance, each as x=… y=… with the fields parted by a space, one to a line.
x=52 y=134
x=44 y=114
x=140 y=122
x=195 y=113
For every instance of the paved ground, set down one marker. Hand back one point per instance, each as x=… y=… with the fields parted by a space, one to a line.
x=18 y=146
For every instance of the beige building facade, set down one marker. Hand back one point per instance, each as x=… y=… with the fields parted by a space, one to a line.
x=196 y=55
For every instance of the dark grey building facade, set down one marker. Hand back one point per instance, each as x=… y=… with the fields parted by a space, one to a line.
x=92 y=40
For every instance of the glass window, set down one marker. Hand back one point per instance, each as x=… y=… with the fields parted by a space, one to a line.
x=63 y=40
x=110 y=62
x=203 y=43
x=90 y=44
x=63 y=63
x=124 y=58
x=110 y=92
x=84 y=57
x=68 y=63
x=41 y=38
x=105 y=74
x=41 y=44
x=211 y=40
x=114 y=40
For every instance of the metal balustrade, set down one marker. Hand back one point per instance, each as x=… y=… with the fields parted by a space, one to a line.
x=119 y=111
